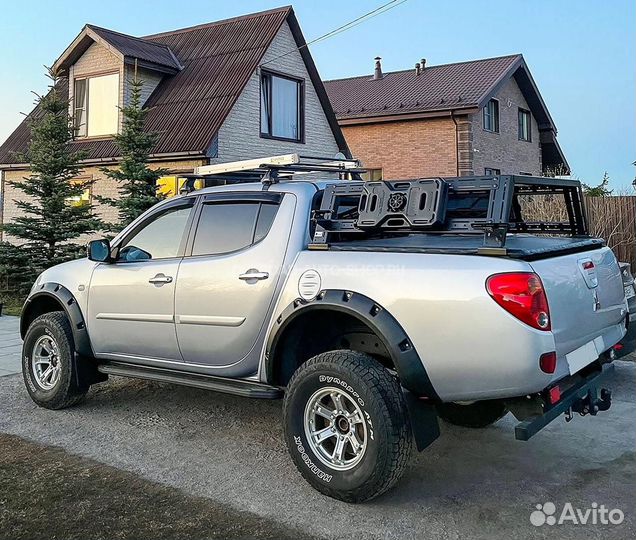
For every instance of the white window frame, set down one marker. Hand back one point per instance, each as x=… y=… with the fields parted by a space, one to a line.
x=83 y=129
x=491 y=115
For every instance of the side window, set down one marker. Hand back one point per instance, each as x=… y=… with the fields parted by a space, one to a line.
x=226 y=227
x=159 y=239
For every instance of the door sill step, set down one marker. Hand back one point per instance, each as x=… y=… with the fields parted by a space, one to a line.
x=237 y=387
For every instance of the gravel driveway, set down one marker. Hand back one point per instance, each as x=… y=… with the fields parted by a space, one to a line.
x=229 y=451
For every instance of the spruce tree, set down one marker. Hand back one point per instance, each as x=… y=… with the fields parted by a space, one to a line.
x=49 y=222
x=137 y=182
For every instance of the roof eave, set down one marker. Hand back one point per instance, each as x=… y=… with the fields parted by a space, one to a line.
x=393 y=116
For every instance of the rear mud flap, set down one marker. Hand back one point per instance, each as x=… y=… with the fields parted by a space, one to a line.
x=424 y=422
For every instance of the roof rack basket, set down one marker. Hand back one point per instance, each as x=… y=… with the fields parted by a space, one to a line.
x=270 y=170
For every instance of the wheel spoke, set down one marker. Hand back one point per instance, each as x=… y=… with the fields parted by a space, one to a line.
x=355 y=443
x=46 y=374
x=338 y=451
x=337 y=401
x=55 y=376
x=323 y=434
x=323 y=411
x=41 y=360
x=46 y=347
x=355 y=418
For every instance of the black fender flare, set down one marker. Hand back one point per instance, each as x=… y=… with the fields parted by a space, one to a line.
x=411 y=371
x=69 y=304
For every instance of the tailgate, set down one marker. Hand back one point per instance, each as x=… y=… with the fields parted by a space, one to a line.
x=587 y=305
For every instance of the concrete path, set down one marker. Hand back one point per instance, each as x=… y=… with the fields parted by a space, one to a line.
x=10 y=345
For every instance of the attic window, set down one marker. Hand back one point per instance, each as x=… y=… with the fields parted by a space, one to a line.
x=96 y=102
x=282 y=107
x=491 y=116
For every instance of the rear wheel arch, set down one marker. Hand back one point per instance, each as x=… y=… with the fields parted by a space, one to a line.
x=55 y=297
x=307 y=328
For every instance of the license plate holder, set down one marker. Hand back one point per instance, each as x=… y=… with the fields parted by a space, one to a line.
x=581 y=357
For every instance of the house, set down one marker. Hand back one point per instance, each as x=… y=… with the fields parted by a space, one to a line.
x=483 y=117
x=234 y=89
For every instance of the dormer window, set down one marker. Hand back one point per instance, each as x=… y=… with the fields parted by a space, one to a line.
x=96 y=105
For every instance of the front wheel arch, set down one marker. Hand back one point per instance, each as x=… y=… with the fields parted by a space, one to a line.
x=51 y=297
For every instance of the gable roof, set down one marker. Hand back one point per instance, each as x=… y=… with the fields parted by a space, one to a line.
x=463 y=87
x=214 y=61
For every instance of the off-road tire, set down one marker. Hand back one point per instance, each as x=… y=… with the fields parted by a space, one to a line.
x=479 y=414
x=380 y=398
x=67 y=391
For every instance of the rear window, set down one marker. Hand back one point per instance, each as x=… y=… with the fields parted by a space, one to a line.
x=227 y=227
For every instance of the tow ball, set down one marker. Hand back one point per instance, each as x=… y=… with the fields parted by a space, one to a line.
x=590 y=404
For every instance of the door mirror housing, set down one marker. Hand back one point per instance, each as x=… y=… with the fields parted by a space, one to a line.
x=99 y=251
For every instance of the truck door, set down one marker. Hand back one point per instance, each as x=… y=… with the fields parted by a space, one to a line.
x=227 y=279
x=131 y=300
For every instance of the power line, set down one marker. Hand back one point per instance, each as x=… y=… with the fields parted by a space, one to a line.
x=355 y=22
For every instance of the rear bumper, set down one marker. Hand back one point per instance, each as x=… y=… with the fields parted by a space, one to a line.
x=582 y=393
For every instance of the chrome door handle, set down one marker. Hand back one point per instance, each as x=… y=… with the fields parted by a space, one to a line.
x=160 y=278
x=253 y=274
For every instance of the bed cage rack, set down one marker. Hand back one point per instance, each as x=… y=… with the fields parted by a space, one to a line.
x=471 y=205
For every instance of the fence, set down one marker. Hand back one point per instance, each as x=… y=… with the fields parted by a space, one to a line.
x=614 y=219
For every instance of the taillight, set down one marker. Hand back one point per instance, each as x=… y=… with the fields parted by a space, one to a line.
x=521 y=294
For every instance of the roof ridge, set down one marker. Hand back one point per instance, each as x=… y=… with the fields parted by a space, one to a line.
x=94 y=26
x=222 y=21
x=370 y=76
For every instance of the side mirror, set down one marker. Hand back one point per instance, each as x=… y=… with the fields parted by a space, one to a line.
x=99 y=250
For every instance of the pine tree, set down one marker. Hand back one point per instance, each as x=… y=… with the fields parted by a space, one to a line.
x=599 y=191
x=137 y=183
x=49 y=221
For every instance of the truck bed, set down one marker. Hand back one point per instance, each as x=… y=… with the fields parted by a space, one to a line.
x=518 y=246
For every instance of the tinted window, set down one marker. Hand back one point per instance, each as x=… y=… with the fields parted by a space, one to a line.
x=159 y=239
x=226 y=227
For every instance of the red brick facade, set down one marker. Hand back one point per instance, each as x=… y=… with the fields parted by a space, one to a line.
x=407 y=149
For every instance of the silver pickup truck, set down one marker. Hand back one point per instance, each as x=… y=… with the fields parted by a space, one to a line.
x=373 y=308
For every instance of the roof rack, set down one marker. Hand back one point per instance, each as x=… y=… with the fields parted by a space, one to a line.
x=269 y=170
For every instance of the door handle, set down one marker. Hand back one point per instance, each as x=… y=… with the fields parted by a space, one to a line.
x=253 y=274
x=159 y=279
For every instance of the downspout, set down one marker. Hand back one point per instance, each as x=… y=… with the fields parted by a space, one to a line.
x=456 y=142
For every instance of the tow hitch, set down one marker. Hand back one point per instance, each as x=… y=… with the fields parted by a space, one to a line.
x=590 y=404
x=584 y=396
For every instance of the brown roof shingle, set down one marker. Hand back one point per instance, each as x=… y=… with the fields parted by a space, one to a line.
x=436 y=88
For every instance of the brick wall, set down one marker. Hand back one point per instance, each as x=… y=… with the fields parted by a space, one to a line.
x=106 y=187
x=239 y=136
x=409 y=149
x=504 y=150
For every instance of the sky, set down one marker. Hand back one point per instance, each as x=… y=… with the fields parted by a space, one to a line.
x=582 y=53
